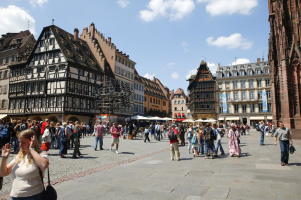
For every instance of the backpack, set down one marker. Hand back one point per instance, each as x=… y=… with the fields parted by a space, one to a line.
x=23 y=127
x=190 y=134
x=194 y=140
x=5 y=133
x=152 y=127
x=172 y=135
x=221 y=133
x=267 y=128
x=208 y=134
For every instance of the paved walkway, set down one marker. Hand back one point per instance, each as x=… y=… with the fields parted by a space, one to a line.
x=256 y=175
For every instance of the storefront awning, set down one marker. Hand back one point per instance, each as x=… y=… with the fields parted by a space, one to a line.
x=179 y=114
x=221 y=118
x=183 y=114
x=2 y=116
x=232 y=118
x=175 y=114
x=270 y=117
x=179 y=120
x=257 y=118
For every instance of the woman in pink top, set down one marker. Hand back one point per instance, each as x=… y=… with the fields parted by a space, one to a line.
x=115 y=131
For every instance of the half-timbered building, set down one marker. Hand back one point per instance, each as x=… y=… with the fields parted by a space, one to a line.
x=60 y=80
x=202 y=93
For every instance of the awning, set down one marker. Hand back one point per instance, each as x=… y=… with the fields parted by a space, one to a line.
x=221 y=118
x=257 y=118
x=2 y=116
x=179 y=120
x=183 y=114
x=270 y=117
x=175 y=114
x=232 y=118
x=179 y=114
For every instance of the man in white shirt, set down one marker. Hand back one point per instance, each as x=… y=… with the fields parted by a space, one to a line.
x=158 y=130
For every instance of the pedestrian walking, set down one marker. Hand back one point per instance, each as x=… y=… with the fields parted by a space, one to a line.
x=46 y=138
x=219 y=134
x=63 y=139
x=146 y=134
x=57 y=135
x=162 y=130
x=182 y=135
x=115 y=131
x=261 y=129
x=173 y=143
x=76 y=134
x=273 y=129
x=157 y=129
x=201 y=141
x=131 y=126
x=52 y=135
x=233 y=135
x=25 y=167
x=285 y=139
x=195 y=143
x=209 y=141
x=247 y=129
x=189 y=135
x=43 y=125
x=267 y=129
x=152 y=129
x=99 y=130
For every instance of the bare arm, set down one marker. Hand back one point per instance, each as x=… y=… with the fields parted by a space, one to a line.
x=290 y=137
x=5 y=169
x=41 y=162
x=275 y=140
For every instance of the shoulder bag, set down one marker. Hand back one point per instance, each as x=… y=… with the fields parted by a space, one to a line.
x=50 y=193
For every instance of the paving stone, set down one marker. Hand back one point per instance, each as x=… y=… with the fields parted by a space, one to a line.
x=287 y=195
x=214 y=192
x=238 y=193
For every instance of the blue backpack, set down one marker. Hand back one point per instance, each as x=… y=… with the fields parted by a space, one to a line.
x=5 y=133
x=194 y=140
x=190 y=134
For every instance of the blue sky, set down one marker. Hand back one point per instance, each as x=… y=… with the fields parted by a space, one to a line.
x=166 y=38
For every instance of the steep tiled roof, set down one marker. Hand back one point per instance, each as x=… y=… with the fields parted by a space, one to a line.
x=15 y=40
x=152 y=88
x=82 y=51
x=193 y=77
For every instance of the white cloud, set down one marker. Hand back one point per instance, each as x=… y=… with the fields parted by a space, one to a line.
x=171 y=64
x=172 y=9
x=191 y=72
x=123 y=3
x=229 y=7
x=212 y=67
x=175 y=75
x=40 y=3
x=241 y=61
x=148 y=76
x=185 y=44
x=15 y=19
x=233 y=41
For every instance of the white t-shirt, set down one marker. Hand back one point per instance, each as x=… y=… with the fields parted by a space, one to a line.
x=47 y=135
x=26 y=179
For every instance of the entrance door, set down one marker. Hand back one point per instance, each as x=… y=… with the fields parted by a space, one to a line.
x=244 y=120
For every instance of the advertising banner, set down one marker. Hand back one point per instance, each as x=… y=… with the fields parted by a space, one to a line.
x=224 y=103
x=264 y=102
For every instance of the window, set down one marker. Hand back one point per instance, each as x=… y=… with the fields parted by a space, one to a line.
x=252 y=108
x=258 y=71
x=235 y=96
x=250 y=84
x=36 y=102
x=132 y=76
x=62 y=67
x=42 y=43
x=243 y=96
x=235 y=108
x=17 y=104
x=84 y=104
x=234 y=73
x=70 y=102
x=179 y=102
x=244 y=108
x=227 y=74
x=142 y=88
x=58 y=101
x=11 y=104
x=41 y=87
x=151 y=100
x=220 y=97
x=267 y=83
x=35 y=87
x=139 y=87
x=251 y=95
x=260 y=107
x=77 y=103
x=266 y=71
x=250 y=72
x=259 y=94
x=243 y=84
x=29 y=103
x=259 y=84
x=51 y=102
x=80 y=72
x=228 y=96
x=269 y=107
x=242 y=73
x=122 y=72
x=234 y=85
x=268 y=94
x=183 y=101
x=228 y=108
x=227 y=86
x=43 y=102
x=220 y=75
x=221 y=110
x=51 y=41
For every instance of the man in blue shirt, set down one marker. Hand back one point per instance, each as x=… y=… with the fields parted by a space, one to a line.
x=261 y=129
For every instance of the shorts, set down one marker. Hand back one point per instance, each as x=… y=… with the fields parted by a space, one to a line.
x=45 y=146
x=115 y=140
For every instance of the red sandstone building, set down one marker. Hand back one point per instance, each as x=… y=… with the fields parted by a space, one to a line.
x=284 y=59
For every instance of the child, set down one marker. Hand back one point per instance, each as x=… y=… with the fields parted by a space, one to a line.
x=146 y=132
x=195 y=142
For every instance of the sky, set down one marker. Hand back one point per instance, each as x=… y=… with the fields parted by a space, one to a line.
x=165 y=38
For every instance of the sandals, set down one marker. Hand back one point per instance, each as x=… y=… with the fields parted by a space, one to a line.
x=282 y=164
x=287 y=164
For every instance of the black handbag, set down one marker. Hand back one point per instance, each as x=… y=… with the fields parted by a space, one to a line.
x=50 y=193
x=292 y=149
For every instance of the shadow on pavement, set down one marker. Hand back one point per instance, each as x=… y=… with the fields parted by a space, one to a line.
x=126 y=153
x=296 y=164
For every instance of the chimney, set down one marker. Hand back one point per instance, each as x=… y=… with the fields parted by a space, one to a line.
x=263 y=60
x=219 y=65
x=258 y=60
x=76 y=34
x=92 y=30
x=109 y=40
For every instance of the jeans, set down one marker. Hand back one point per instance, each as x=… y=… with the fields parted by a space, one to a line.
x=72 y=140
x=201 y=148
x=261 y=137
x=40 y=196
x=189 y=144
x=209 y=146
x=16 y=142
x=100 y=142
x=146 y=137
x=158 y=135
x=52 y=142
x=273 y=132
x=58 y=142
x=284 y=146
x=164 y=133
x=219 y=144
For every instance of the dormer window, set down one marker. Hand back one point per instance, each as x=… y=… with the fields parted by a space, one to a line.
x=64 y=42
x=242 y=73
x=83 y=59
x=250 y=72
x=70 y=54
x=80 y=72
x=266 y=71
x=242 y=67
x=88 y=52
x=62 y=67
x=220 y=75
x=227 y=74
x=70 y=37
x=93 y=63
x=51 y=68
x=258 y=71
x=76 y=48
